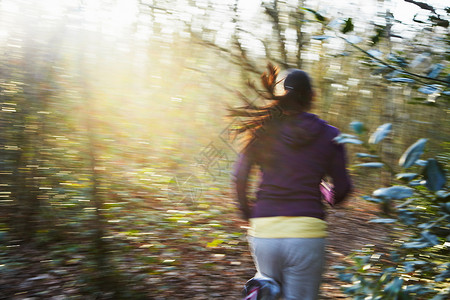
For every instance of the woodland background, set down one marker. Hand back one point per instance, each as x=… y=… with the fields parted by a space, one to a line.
x=115 y=145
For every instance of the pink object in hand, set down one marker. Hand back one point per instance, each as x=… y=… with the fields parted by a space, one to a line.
x=326 y=190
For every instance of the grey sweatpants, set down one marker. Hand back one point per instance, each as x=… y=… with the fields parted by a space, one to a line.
x=296 y=263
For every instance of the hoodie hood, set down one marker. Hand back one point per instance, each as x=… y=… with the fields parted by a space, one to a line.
x=301 y=129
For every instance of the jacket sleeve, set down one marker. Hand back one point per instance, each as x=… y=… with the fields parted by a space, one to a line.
x=342 y=185
x=240 y=178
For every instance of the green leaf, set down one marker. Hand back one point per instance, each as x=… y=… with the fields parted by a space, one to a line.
x=405 y=216
x=421 y=162
x=406 y=176
x=431 y=238
x=321 y=37
x=434 y=175
x=394 y=192
x=348 y=26
x=416 y=182
x=378 y=34
x=402 y=79
x=318 y=16
x=366 y=155
x=415 y=245
x=214 y=243
x=371 y=165
x=346 y=135
x=383 y=220
x=357 y=127
x=378 y=54
x=350 y=141
x=353 y=289
x=354 y=39
x=394 y=287
x=435 y=70
x=399 y=60
x=416 y=288
x=410 y=266
x=347 y=139
x=429 y=89
x=443 y=195
x=444 y=274
x=381 y=132
x=419 y=59
x=346 y=277
x=412 y=154
x=371 y=199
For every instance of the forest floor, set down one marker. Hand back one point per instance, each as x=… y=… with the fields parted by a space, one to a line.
x=181 y=253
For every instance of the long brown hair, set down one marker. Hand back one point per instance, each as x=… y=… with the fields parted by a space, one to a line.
x=261 y=123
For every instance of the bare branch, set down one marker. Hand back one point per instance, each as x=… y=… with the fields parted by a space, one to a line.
x=422 y=5
x=273 y=13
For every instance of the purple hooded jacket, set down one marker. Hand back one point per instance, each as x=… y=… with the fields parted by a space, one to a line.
x=304 y=153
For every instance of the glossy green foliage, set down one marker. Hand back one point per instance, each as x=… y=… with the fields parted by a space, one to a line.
x=412 y=154
x=434 y=175
x=435 y=70
x=366 y=155
x=347 y=139
x=347 y=26
x=381 y=133
x=416 y=265
x=317 y=15
x=406 y=176
x=371 y=165
x=401 y=79
x=394 y=192
x=357 y=127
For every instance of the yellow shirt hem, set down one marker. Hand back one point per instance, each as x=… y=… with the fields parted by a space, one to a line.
x=287 y=227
